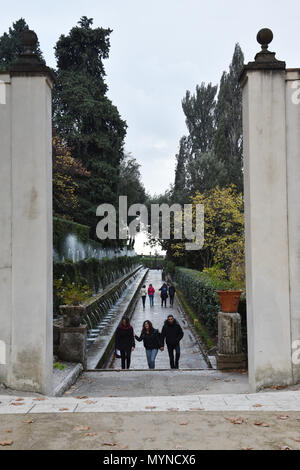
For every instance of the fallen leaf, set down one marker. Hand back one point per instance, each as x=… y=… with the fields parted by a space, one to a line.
x=39 y=399
x=247 y=448
x=297 y=440
x=6 y=443
x=90 y=434
x=172 y=409
x=90 y=402
x=235 y=420
x=112 y=432
x=283 y=418
x=81 y=398
x=150 y=407
x=285 y=448
x=110 y=444
x=63 y=409
x=262 y=424
x=184 y=424
x=19 y=399
x=257 y=406
x=17 y=404
x=196 y=409
x=28 y=421
x=81 y=428
x=8 y=431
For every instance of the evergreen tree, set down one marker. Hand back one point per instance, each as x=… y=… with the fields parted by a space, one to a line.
x=199 y=110
x=180 y=194
x=10 y=44
x=86 y=119
x=228 y=145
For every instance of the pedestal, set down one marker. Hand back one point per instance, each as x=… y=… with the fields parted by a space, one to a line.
x=73 y=345
x=230 y=355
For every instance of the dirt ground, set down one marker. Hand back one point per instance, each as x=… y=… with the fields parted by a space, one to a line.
x=193 y=430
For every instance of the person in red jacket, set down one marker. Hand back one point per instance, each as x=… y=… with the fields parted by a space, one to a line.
x=151 y=292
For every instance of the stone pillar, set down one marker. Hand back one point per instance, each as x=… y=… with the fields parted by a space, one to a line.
x=266 y=219
x=293 y=198
x=26 y=224
x=230 y=355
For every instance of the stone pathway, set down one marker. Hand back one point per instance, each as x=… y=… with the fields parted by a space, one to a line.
x=191 y=356
x=272 y=401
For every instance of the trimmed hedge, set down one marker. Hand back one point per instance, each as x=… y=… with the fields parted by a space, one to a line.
x=62 y=227
x=97 y=274
x=199 y=291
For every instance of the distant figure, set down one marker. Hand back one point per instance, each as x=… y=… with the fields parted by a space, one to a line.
x=125 y=342
x=152 y=342
x=144 y=295
x=173 y=334
x=172 y=291
x=151 y=292
x=164 y=294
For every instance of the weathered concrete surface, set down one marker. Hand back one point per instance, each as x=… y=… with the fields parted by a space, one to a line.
x=159 y=382
x=26 y=231
x=158 y=431
x=191 y=356
x=266 y=228
x=293 y=175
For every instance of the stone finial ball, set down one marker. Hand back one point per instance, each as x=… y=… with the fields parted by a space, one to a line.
x=29 y=39
x=264 y=37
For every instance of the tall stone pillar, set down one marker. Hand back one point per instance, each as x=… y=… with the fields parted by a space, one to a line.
x=293 y=198
x=266 y=218
x=26 y=224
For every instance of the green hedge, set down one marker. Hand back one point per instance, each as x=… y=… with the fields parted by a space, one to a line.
x=62 y=227
x=199 y=291
x=92 y=272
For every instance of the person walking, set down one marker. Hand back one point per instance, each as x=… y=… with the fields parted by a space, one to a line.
x=172 y=291
x=124 y=342
x=152 y=342
x=172 y=333
x=164 y=294
x=144 y=295
x=151 y=292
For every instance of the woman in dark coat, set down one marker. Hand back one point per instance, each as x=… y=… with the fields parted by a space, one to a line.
x=125 y=342
x=152 y=342
x=164 y=294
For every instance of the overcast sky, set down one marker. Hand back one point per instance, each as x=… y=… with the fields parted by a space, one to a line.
x=159 y=49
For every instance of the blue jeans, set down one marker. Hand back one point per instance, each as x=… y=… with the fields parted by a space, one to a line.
x=151 y=299
x=151 y=356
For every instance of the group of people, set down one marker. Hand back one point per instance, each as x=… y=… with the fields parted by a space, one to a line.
x=166 y=291
x=153 y=340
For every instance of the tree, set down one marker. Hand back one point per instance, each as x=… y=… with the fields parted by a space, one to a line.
x=86 y=119
x=10 y=44
x=224 y=232
x=228 y=144
x=130 y=184
x=199 y=110
x=180 y=194
x=65 y=189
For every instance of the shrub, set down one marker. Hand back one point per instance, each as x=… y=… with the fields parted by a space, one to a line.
x=200 y=292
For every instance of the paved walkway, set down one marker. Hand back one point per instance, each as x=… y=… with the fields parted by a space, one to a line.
x=270 y=401
x=191 y=357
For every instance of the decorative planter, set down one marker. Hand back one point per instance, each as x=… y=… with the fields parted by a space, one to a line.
x=72 y=315
x=229 y=300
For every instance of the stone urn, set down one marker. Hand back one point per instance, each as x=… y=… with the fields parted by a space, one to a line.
x=229 y=300
x=72 y=315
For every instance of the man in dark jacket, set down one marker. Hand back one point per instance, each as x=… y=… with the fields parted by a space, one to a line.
x=173 y=334
x=171 y=294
